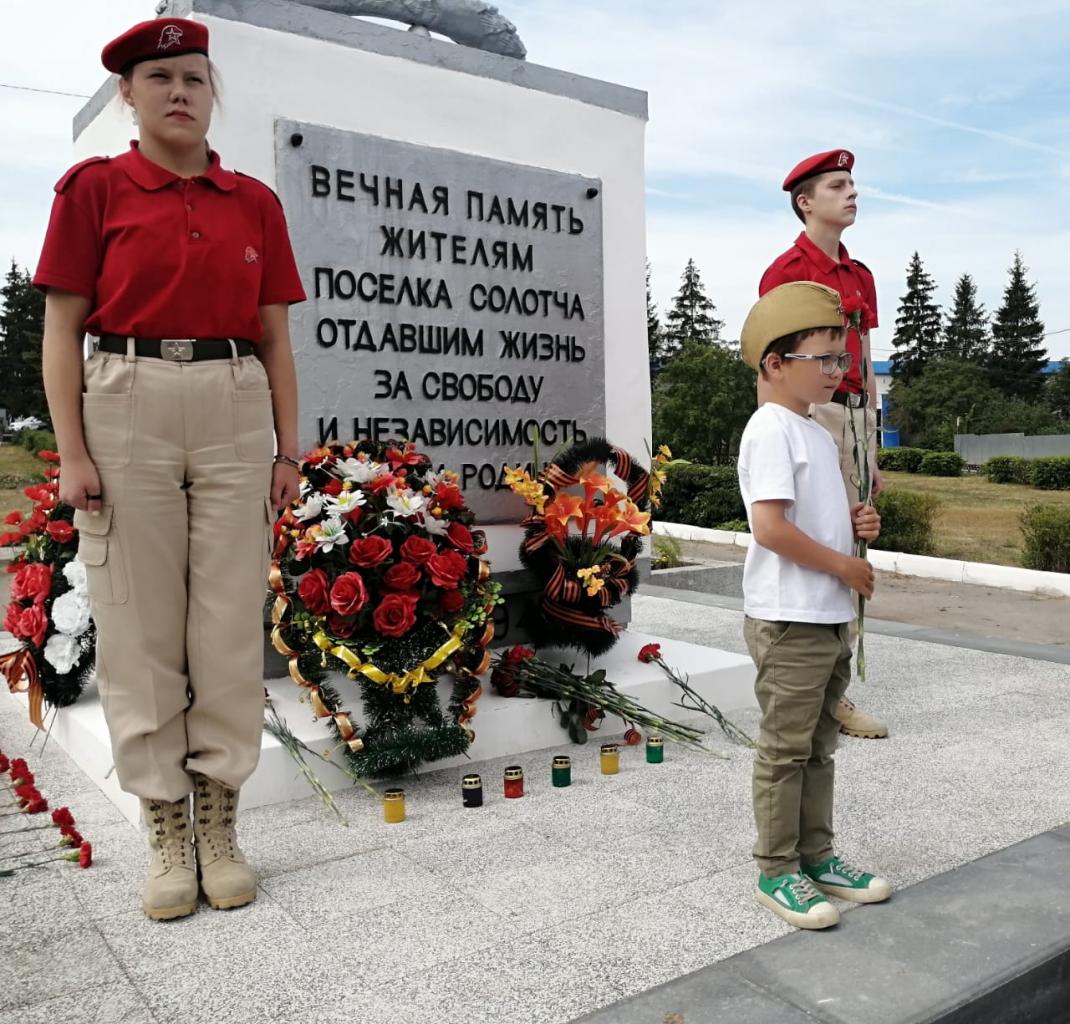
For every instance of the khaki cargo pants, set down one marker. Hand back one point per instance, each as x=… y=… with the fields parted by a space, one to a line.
x=177 y=564
x=803 y=670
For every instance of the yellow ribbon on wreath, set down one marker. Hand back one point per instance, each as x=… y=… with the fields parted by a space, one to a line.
x=400 y=684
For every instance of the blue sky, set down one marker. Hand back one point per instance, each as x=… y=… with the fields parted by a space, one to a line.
x=958 y=114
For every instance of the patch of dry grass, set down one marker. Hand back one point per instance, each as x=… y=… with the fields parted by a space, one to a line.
x=978 y=520
x=17 y=462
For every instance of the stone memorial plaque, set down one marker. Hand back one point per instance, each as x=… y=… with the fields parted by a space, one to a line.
x=454 y=301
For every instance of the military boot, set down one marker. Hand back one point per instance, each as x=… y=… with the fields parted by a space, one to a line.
x=226 y=879
x=171 y=888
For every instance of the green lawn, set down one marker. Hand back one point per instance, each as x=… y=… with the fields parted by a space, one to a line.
x=17 y=462
x=978 y=520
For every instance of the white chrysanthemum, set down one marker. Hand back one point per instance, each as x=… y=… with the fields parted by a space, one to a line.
x=434 y=477
x=62 y=652
x=435 y=527
x=310 y=509
x=406 y=502
x=74 y=572
x=70 y=613
x=345 y=502
x=330 y=534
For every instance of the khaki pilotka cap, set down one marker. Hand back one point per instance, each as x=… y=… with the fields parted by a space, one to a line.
x=798 y=306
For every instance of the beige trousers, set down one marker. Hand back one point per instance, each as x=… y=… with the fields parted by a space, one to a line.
x=177 y=564
x=836 y=419
x=803 y=670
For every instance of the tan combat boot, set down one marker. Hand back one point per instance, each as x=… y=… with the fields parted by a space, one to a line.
x=171 y=888
x=226 y=879
x=854 y=722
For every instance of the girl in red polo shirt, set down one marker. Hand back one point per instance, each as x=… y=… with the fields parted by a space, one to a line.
x=167 y=434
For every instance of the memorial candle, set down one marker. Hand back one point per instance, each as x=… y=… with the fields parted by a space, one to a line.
x=394 y=806
x=610 y=759
x=561 y=771
x=514 y=781
x=655 y=750
x=472 y=791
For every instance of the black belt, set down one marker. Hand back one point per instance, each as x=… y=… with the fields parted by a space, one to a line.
x=852 y=399
x=181 y=350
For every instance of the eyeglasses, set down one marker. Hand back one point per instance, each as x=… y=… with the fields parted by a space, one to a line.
x=830 y=361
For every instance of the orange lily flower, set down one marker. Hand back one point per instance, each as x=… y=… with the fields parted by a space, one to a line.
x=559 y=511
x=631 y=520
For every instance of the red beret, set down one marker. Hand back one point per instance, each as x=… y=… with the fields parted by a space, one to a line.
x=164 y=37
x=833 y=160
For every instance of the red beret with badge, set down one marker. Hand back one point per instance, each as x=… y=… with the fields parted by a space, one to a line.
x=152 y=40
x=821 y=163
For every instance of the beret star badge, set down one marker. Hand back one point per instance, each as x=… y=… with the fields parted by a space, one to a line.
x=169 y=37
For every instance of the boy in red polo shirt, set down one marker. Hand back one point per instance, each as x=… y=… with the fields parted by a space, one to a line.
x=824 y=198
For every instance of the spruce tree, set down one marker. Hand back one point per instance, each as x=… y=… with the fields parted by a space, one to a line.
x=691 y=317
x=653 y=322
x=1018 y=356
x=917 y=325
x=966 y=332
x=22 y=326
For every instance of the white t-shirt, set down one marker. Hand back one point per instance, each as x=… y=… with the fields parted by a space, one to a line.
x=787 y=457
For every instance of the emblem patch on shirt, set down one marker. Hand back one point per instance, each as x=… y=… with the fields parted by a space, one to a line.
x=170 y=36
x=251 y=255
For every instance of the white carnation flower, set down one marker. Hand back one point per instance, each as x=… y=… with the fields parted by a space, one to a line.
x=70 y=613
x=345 y=502
x=74 y=572
x=62 y=652
x=310 y=509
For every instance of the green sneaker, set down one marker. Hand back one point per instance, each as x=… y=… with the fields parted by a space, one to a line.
x=836 y=877
x=793 y=898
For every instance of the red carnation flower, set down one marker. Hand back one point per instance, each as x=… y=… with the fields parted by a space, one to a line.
x=62 y=817
x=368 y=552
x=517 y=654
x=451 y=601
x=60 y=531
x=349 y=595
x=33 y=625
x=447 y=569
x=32 y=583
x=24 y=785
x=333 y=487
x=48 y=456
x=13 y=518
x=7 y=539
x=5 y=764
x=36 y=806
x=314 y=590
x=402 y=576
x=461 y=537
x=18 y=764
x=71 y=836
x=52 y=474
x=396 y=614
x=649 y=653
x=418 y=550
x=449 y=496
x=85 y=855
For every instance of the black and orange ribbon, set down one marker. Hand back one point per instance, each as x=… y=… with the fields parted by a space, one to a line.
x=21 y=665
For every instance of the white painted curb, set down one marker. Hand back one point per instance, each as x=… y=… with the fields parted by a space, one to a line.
x=1007 y=577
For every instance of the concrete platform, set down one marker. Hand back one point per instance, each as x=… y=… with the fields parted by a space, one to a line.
x=503 y=727
x=988 y=942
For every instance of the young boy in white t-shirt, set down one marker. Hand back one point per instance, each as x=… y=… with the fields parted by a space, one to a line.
x=797 y=588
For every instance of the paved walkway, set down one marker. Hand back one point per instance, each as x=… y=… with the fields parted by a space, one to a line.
x=538 y=910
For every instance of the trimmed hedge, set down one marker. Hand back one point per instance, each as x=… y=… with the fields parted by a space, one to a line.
x=1046 y=529
x=37 y=440
x=906 y=522
x=701 y=496
x=900 y=460
x=942 y=464
x=1006 y=469
x=1050 y=474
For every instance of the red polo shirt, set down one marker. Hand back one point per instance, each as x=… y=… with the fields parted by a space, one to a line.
x=804 y=261
x=161 y=256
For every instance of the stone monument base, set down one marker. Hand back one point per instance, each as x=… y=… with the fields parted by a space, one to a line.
x=503 y=726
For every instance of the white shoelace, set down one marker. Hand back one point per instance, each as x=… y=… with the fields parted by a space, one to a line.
x=803 y=890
